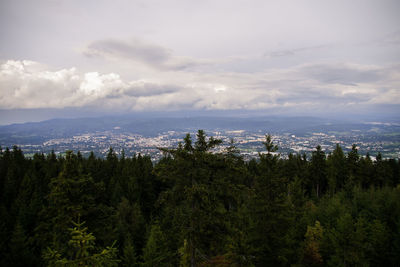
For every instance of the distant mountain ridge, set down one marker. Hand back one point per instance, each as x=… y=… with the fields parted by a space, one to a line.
x=143 y=125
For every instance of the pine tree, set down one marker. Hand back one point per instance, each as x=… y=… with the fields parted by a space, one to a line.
x=130 y=224
x=366 y=171
x=129 y=258
x=81 y=251
x=318 y=171
x=20 y=252
x=192 y=201
x=336 y=170
x=311 y=252
x=156 y=253
x=353 y=165
x=72 y=194
x=269 y=211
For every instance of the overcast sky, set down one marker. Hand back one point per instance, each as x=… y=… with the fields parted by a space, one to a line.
x=303 y=56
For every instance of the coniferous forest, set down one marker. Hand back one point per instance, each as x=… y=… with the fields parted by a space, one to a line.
x=196 y=207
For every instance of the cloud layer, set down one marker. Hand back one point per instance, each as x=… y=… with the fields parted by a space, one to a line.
x=318 y=86
x=305 y=56
x=137 y=51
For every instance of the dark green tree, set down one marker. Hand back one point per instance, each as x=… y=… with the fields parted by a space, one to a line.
x=82 y=251
x=318 y=172
x=336 y=170
x=129 y=258
x=20 y=253
x=270 y=211
x=192 y=202
x=156 y=253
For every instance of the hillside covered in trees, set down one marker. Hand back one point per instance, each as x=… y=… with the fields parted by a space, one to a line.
x=199 y=208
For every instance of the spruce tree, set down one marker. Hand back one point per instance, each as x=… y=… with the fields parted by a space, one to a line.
x=81 y=251
x=156 y=252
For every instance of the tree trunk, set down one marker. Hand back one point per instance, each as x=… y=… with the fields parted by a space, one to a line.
x=192 y=255
x=192 y=247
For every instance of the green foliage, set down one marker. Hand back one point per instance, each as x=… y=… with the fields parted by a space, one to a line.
x=313 y=237
x=20 y=251
x=130 y=224
x=156 y=252
x=129 y=257
x=270 y=212
x=336 y=170
x=81 y=251
x=269 y=145
x=318 y=172
x=200 y=207
x=194 y=194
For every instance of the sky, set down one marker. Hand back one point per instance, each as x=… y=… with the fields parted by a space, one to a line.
x=308 y=57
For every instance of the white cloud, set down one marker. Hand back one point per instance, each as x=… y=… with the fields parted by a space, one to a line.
x=27 y=84
x=100 y=85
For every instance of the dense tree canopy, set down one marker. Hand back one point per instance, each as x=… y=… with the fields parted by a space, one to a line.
x=199 y=207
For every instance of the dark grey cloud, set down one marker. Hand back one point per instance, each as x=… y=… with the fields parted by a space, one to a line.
x=392 y=38
x=343 y=74
x=323 y=96
x=138 y=51
x=292 y=52
x=134 y=50
x=149 y=89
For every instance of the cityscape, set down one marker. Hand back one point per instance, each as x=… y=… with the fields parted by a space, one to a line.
x=249 y=143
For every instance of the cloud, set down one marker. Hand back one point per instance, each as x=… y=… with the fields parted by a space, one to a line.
x=138 y=51
x=310 y=87
x=392 y=38
x=292 y=52
x=24 y=84
x=346 y=74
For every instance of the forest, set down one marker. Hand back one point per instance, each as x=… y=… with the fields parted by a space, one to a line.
x=197 y=207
